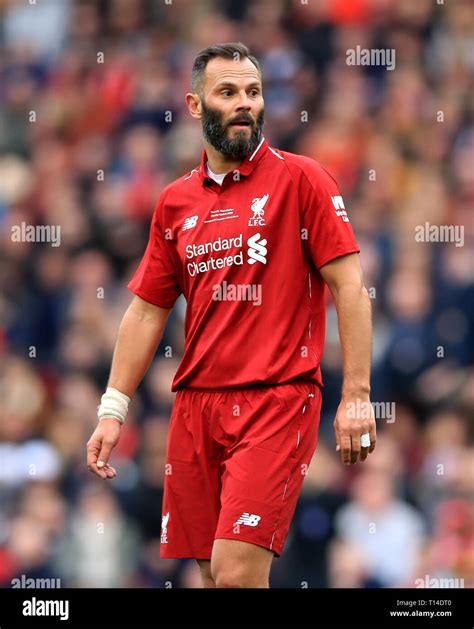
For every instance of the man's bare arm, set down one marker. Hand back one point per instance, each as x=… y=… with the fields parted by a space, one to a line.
x=138 y=337
x=345 y=281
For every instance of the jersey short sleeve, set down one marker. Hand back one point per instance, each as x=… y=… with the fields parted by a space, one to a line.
x=326 y=231
x=155 y=279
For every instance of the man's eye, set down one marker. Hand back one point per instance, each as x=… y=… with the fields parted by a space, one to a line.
x=226 y=92
x=254 y=92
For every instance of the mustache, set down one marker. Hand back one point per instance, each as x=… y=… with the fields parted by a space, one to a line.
x=242 y=118
x=215 y=131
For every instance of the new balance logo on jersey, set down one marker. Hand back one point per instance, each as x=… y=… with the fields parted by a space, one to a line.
x=257 y=250
x=339 y=205
x=257 y=208
x=164 y=528
x=249 y=519
x=190 y=222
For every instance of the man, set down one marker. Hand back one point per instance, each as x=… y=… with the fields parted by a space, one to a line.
x=250 y=237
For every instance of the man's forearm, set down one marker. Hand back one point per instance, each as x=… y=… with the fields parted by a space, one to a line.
x=355 y=332
x=138 y=337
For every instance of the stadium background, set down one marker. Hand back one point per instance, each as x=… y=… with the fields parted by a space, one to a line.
x=106 y=134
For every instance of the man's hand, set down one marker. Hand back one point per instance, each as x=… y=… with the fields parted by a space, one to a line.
x=354 y=417
x=99 y=447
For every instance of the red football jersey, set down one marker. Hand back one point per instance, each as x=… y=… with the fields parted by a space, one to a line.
x=246 y=255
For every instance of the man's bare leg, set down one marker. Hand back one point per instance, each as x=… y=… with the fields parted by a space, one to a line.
x=205 y=566
x=236 y=564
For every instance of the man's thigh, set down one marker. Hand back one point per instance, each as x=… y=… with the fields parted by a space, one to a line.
x=236 y=475
x=191 y=501
x=236 y=564
x=275 y=436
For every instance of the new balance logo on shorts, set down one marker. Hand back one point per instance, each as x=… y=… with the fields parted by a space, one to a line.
x=249 y=519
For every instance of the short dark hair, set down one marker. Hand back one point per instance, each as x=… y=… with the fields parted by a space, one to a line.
x=233 y=50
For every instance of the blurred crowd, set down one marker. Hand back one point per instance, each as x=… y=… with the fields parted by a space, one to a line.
x=92 y=126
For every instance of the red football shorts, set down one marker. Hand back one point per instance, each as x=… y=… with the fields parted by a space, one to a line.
x=235 y=463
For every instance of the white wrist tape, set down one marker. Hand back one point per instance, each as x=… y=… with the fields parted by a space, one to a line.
x=113 y=403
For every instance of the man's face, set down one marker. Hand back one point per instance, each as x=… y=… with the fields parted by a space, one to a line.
x=232 y=107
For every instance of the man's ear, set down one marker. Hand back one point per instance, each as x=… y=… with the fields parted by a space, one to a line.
x=193 y=101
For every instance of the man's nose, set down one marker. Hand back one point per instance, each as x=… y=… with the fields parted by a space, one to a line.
x=244 y=101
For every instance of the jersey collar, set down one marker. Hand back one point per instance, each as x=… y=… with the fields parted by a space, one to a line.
x=245 y=168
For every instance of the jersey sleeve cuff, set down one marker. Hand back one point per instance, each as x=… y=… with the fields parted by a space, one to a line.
x=161 y=303
x=335 y=255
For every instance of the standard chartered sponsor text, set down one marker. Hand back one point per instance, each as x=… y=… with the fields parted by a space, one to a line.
x=214 y=262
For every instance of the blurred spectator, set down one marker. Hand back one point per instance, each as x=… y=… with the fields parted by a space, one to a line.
x=387 y=532
x=100 y=546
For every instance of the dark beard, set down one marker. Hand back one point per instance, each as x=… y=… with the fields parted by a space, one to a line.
x=215 y=133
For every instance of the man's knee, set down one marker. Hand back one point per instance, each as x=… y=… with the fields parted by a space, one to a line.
x=238 y=576
x=236 y=564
